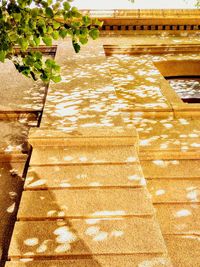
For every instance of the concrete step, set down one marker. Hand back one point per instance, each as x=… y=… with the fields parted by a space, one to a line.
x=178 y=169
x=54 y=239
x=10 y=170
x=18 y=92
x=97 y=261
x=179 y=218
x=13 y=137
x=84 y=203
x=182 y=145
x=177 y=129
x=13 y=158
x=169 y=154
x=95 y=136
x=151 y=148
x=54 y=177
x=184 y=250
x=77 y=155
x=174 y=191
x=178 y=137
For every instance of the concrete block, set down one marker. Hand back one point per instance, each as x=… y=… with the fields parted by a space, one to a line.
x=95 y=136
x=92 y=203
x=54 y=177
x=177 y=169
x=13 y=137
x=174 y=191
x=18 y=92
x=183 y=250
x=169 y=155
x=97 y=261
x=42 y=239
x=82 y=156
x=179 y=219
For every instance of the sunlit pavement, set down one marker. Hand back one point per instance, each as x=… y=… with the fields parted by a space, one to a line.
x=85 y=201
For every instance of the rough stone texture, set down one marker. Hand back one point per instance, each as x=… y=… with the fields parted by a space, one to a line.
x=89 y=237
x=167 y=129
x=95 y=136
x=174 y=191
x=13 y=137
x=140 y=95
x=183 y=250
x=86 y=99
x=179 y=138
x=97 y=261
x=90 y=102
x=179 y=218
x=77 y=155
x=177 y=169
x=19 y=92
x=11 y=184
x=169 y=146
x=54 y=177
x=93 y=203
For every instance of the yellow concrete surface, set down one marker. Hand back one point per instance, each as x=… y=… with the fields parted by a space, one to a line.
x=177 y=169
x=77 y=155
x=96 y=136
x=54 y=177
x=183 y=249
x=85 y=237
x=97 y=261
x=84 y=105
x=88 y=139
x=179 y=218
x=174 y=191
x=92 y=203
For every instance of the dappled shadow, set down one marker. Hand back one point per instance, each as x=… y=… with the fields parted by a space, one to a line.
x=167 y=134
x=86 y=97
x=11 y=184
x=84 y=176
x=19 y=92
x=188 y=89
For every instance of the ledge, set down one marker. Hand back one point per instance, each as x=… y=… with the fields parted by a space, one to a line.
x=147 y=19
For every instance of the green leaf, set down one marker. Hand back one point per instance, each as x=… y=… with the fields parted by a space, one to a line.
x=50 y=63
x=49 y=12
x=63 y=33
x=47 y=40
x=56 y=79
x=28 y=60
x=38 y=55
x=38 y=65
x=23 y=43
x=94 y=33
x=76 y=46
x=83 y=40
x=13 y=37
x=86 y=20
x=34 y=13
x=98 y=23
x=66 y=6
x=17 y=16
x=36 y=40
x=2 y=56
x=49 y=29
x=49 y=2
x=55 y=35
x=56 y=25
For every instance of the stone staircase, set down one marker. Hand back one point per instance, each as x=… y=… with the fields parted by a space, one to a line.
x=90 y=217
x=85 y=201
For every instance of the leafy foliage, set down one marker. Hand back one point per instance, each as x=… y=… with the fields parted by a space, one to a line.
x=197 y=3
x=27 y=23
